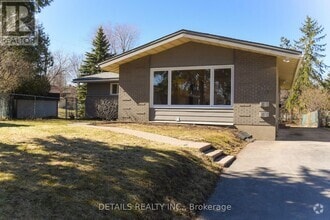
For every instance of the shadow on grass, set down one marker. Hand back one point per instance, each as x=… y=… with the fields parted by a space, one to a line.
x=265 y=194
x=69 y=178
x=9 y=125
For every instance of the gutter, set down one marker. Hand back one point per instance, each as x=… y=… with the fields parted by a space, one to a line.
x=94 y=81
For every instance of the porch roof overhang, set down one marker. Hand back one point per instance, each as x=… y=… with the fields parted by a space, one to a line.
x=288 y=61
x=100 y=77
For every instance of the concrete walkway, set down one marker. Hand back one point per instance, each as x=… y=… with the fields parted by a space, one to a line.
x=276 y=180
x=205 y=148
x=150 y=136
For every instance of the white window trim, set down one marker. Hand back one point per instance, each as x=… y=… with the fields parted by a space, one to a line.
x=169 y=97
x=111 y=85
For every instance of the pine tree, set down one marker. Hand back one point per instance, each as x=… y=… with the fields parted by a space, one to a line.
x=39 y=54
x=40 y=58
x=286 y=43
x=327 y=82
x=99 y=53
x=313 y=67
x=41 y=4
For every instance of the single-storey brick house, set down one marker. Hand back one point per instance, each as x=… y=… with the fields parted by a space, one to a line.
x=99 y=86
x=193 y=77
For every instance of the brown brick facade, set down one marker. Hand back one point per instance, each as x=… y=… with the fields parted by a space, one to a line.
x=193 y=54
x=255 y=82
x=134 y=77
x=134 y=90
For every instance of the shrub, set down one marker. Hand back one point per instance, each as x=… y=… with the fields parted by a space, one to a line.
x=107 y=109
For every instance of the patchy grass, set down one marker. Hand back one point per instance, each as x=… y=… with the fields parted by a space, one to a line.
x=220 y=137
x=62 y=113
x=49 y=169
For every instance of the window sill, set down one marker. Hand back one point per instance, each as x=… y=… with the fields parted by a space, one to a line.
x=226 y=107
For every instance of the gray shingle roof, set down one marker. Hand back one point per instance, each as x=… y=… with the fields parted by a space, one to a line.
x=100 y=77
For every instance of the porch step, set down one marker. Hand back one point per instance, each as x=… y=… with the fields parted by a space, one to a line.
x=218 y=156
x=225 y=161
x=205 y=148
x=214 y=154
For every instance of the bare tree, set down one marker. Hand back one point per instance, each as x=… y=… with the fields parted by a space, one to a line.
x=58 y=72
x=110 y=33
x=316 y=99
x=65 y=68
x=75 y=62
x=13 y=70
x=122 y=37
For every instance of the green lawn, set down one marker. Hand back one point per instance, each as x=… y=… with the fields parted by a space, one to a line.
x=49 y=169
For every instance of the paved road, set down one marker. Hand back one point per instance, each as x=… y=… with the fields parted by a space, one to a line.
x=277 y=179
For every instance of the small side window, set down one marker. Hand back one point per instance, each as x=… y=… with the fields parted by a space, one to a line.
x=114 y=89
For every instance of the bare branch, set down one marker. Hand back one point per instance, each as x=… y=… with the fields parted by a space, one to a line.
x=109 y=31
x=58 y=72
x=65 y=68
x=122 y=37
x=13 y=70
x=75 y=61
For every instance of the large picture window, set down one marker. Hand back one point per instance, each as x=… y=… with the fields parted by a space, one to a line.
x=191 y=87
x=209 y=86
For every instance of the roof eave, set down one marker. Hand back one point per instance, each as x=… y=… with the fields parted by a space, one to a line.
x=137 y=50
x=203 y=38
x=94 y=81
x=261 y=48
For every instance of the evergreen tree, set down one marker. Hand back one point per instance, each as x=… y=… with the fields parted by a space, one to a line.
x=313 y=67
x=327 y=82
x=41 y=59
x=99 y=53
x=36 y=59
x=286 y=43
x=41 y=4
x=35 y=85
x=39 y=54
x=44 y=58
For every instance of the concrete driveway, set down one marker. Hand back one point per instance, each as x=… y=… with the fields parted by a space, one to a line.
x=283 y=179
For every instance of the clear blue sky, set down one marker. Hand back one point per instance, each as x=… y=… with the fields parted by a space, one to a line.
x=71 y=23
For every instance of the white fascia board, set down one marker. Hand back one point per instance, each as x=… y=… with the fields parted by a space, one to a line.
x=142 y=50
x=243 y=46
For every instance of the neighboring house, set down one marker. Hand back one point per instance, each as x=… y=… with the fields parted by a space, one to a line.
x=198 y=78
x=99 y=86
